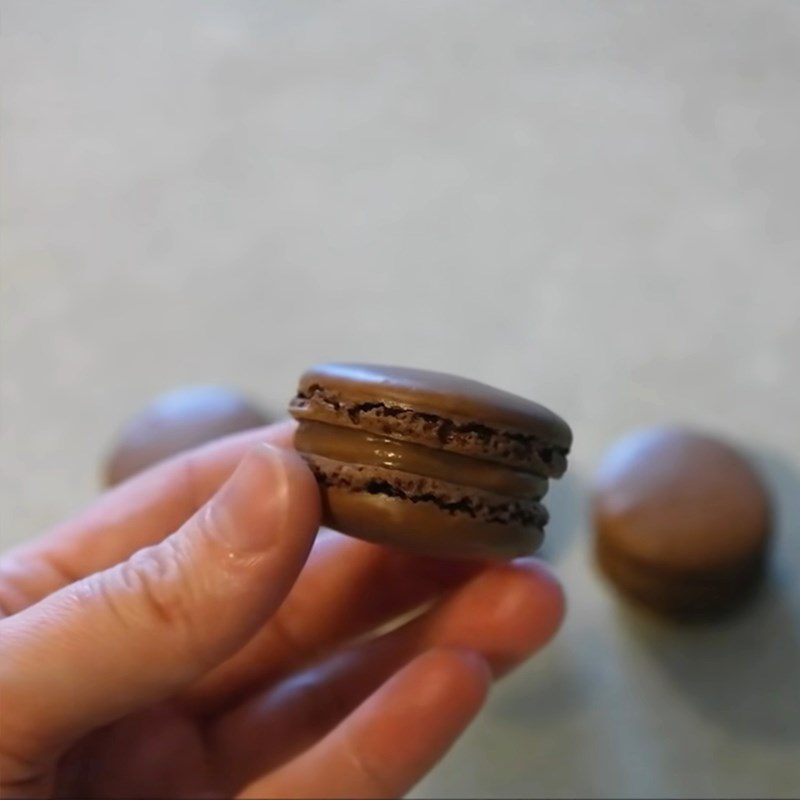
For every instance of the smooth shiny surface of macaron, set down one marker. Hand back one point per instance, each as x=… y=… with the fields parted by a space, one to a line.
x=428 y=461
x=175 y=422
x=682 y=521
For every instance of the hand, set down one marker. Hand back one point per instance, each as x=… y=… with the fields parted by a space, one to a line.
x=177 y=639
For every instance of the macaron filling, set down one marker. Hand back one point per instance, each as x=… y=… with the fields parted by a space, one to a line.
x=363 y=447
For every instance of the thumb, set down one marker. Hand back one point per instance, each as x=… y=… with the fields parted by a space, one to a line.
x=137 y=633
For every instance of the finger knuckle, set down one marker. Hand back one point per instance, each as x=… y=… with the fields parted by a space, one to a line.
x=154 y=590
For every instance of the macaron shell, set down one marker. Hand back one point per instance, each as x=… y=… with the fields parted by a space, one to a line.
x=457 y=500
x=680 y=595
x=177 y=421
x=681 y=502
x=424 y=528
x=440 y=394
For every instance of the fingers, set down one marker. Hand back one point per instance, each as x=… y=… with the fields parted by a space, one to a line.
x=389 y=742
x=135 y=514
x=504 y=614
x=130 y=636
x=347 y=588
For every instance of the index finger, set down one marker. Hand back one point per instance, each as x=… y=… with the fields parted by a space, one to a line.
x=137 y=513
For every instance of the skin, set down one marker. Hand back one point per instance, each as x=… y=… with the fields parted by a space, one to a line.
x=191 y=634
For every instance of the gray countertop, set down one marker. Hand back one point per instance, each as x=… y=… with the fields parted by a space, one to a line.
x=595 y=205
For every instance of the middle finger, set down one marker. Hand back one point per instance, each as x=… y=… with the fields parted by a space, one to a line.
x=504 y=614
x=347 y=588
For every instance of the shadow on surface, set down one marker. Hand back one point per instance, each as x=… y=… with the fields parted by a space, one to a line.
x=744 y=671
x=551 y=687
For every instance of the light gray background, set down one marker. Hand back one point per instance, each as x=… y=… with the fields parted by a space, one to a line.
x=593 y=204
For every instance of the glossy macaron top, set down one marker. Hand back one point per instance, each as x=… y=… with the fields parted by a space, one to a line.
x=680 y=501
x=436 y=410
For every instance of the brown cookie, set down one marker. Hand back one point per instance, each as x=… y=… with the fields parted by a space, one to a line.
x=682 y=521
x=178 y=421
x=427 y=461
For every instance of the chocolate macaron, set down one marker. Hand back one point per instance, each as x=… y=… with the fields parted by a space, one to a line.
x=682 y=522
x=427 y=461
x=177 y=421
